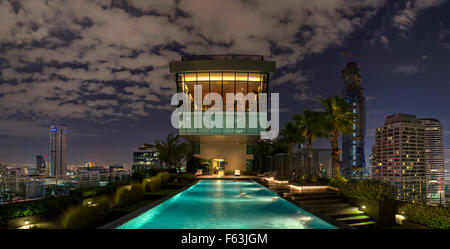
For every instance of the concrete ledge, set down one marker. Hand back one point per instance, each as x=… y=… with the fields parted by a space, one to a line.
x=142 y=210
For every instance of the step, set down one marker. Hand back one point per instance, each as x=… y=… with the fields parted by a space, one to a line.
x=363 y=224
x=315 y=193
x=315 y=197
x=327 y=206
x=322 y=201
x=344 y=212
x=354 y=219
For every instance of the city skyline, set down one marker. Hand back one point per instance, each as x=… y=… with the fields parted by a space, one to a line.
x=117 y=96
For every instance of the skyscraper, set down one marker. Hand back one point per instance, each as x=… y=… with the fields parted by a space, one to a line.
x=447 y=173
x=434 y=160
x=40 y=164
x=58 y=150
x=353 y=157
x=400 y=155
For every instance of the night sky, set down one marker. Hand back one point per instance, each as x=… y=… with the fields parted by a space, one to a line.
x=101 y=67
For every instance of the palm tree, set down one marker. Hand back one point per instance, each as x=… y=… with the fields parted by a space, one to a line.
x=172 y=151
x=337 y=121
x=310 y=125
x=291 y=136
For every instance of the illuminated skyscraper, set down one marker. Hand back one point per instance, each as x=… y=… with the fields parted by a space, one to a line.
x=434 y=160
x=353 y=158
x=58 y=150
x=400 y=155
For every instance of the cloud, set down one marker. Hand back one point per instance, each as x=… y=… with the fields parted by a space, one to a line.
x=100 y=60
x=406 y=69
x=404 y=19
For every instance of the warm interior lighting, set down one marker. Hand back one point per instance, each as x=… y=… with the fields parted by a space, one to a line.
x=27 y=222
x=363 y=207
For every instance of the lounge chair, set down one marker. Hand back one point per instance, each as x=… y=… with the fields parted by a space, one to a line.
x=199 y=172
x=237 y=172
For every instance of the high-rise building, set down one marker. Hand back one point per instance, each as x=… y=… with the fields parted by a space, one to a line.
x=447 y=174
x=353 y=158
x=146 y=157
x=58 y=150
x=400 y=156
x=228 y=146
x=434 y=159
x=40 y=164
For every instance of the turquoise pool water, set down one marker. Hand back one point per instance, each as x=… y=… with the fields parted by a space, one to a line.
x=226 y=204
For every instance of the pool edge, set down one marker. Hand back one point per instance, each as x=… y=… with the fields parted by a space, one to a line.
x=122 y=220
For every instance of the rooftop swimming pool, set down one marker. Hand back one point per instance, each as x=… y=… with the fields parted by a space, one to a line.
x=226 y=204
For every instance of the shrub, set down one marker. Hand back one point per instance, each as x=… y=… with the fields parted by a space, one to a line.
x=128 y=194
x=366 y=189
x=337 y=181
x=52 y=205
x=95 y=191
x=152 y=184
x=78 y=217
x=165 y=177
x=432 y=216
x=173 y=176
x=187 y=177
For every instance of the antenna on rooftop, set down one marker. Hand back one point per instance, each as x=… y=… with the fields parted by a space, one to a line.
x=350 y=56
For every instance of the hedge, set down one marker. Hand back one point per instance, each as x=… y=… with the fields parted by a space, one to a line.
x=129 y=194
x=187 y=177
x=53 y=205
x=432 y=216
x=365 y=189
x=152 y=184
x=165 y=177
x=78 y=217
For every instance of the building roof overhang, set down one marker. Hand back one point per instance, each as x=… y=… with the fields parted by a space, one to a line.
x=222 y=66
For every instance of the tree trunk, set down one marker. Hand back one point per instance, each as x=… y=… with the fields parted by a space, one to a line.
x=310 y=172
x=335 y=157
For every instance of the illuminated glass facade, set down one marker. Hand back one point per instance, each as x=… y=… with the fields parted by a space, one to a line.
x=353 y=156
x=236 y=75
x=224 y=83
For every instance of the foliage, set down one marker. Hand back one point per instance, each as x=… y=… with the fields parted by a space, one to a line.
x=52 y=205
x=129 y=194
x=291 y=135
x=336 y=121
x=164 y=176
x=140 y=175
x=365 y=189
x=338 y=182
x=94 y=191
x=77 y=217
x=172 y=151
x=152 y=184
x=187 y=177
x=432 y=216
x=310 y=126
x=195 y=163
